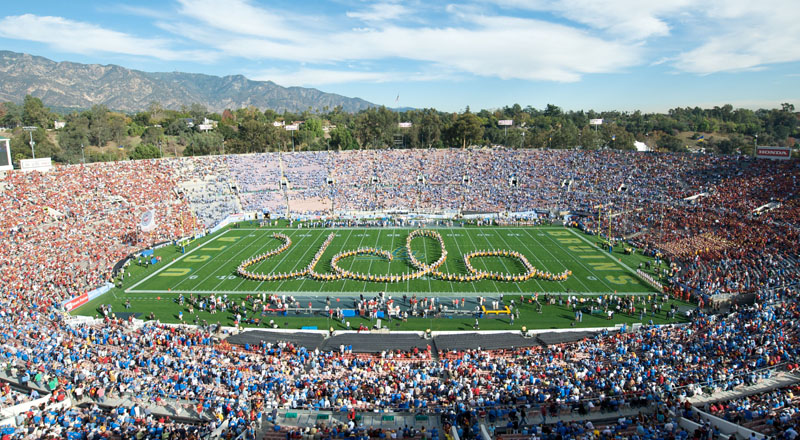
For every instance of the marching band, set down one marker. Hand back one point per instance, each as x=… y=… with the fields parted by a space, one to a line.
x=424 y=269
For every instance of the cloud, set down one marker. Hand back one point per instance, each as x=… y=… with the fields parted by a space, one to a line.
x=79 y=37
x=240 y=17
x=716 y=35
x=491 y=46
x=318 y=77
x=380 y=12
x=629 y=19
x=746 y=36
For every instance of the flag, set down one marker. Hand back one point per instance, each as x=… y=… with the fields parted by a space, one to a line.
x=396 y=100
x=148 y=222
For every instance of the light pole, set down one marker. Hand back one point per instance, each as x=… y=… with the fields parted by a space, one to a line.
x=32 y=143
x=755 y=145
x=83 y=154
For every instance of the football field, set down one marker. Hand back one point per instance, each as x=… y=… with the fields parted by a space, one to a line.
x=495 y=256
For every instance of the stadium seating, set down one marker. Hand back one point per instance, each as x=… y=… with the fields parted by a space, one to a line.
x=63 y=231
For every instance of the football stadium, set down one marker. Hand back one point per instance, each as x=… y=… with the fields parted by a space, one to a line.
x=422 y=293
x=400 y=220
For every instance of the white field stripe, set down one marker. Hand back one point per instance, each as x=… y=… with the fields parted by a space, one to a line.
x=130 y=289
x=538 y=260
x=616 y=260
x=578 y=260
x=371 y=260
x=233 y=258
x=286 y=254
x=574 y=258
x=356 y=294
x=475 y=289
x=345 y=281
x=503 y=260
x=473 y=244
x=303 y=258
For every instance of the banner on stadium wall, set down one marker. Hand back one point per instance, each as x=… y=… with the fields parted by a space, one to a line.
x=42 y=164
x=780 y=153
x=232 y=218
x=148 y=222
x=74 y=303
x=99 y=291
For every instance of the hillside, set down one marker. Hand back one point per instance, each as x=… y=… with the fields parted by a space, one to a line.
x=74 y=85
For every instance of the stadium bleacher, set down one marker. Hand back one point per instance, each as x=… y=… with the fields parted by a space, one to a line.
x=64 y=230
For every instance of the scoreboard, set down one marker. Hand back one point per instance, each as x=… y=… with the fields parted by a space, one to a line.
x=5 y=154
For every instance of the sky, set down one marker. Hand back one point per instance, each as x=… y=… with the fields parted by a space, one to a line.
x=625 y=55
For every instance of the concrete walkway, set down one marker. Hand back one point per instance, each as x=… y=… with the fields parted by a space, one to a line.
x=779 y=380
x=390 y=420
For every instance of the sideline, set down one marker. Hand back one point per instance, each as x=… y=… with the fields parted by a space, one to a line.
x=611 y=256
x=130 y=289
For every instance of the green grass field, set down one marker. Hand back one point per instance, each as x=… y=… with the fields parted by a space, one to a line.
x=209 y=266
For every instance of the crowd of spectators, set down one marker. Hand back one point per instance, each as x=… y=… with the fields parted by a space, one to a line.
x=206 y=184
x=62 y=231
x=718 y=242
x=770 y=413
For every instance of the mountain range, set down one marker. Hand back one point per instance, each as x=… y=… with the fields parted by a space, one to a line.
x=74 y=85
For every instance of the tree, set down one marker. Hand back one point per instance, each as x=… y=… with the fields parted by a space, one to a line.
x=200 y=144
x=117 y=126
x=178 y=127
x=13 y=115
x=313 y=126
x=467 y=129
x=145 y=151
x=21 y=149
x=73 y=137
x=430 y=128
x=99 y=129
x=156 y=111
x=34 y=113
x=153 y=135
x=197 y=112
x=671 y=143
x=342 y=139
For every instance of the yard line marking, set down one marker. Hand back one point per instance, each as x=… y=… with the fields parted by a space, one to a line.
x=201 y=282
x=302 y=259
x=560 y=261
x=371 y=260
x=599 y=278
x=356 y=294
x=474 y=289
x=503 y=259
x=288 y=251
x=616 y=260
x=344 y=282
x=425 y=248
x=543 y=265
x=129 y=289
x=473 y=244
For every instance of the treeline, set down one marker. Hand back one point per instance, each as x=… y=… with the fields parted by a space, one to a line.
x=99 y=134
